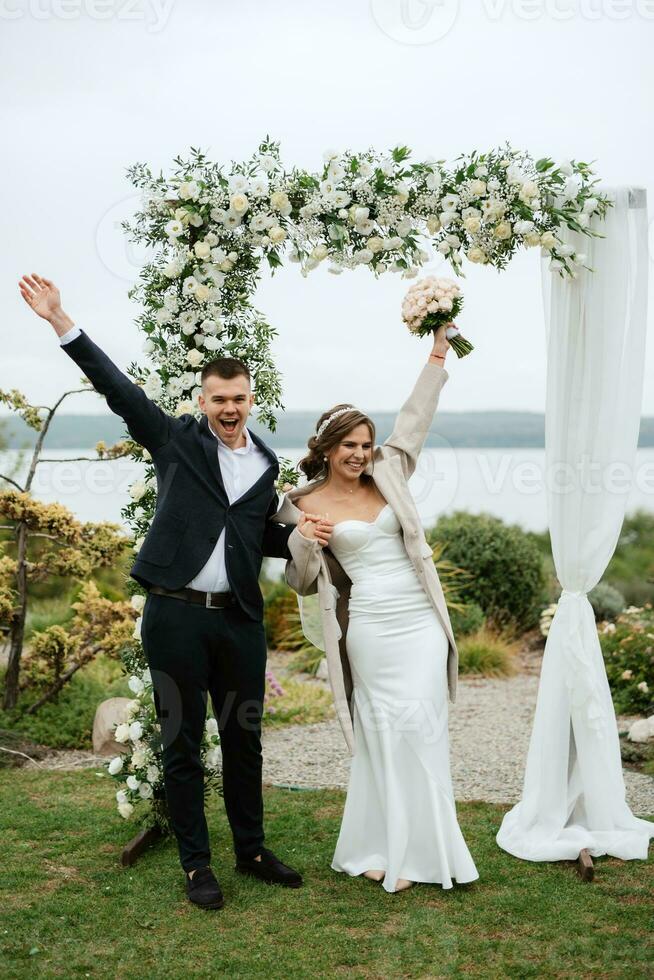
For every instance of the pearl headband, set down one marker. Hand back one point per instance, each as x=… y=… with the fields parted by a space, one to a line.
x=334 y=415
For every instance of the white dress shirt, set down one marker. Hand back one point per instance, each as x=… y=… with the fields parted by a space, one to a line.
x=240 y=469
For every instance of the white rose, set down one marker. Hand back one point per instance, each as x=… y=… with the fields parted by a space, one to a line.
x=184 y=408
x=121 y=796
x=195 y=358
x=472 y=225
x=138 y=757
x=202 y=293
x=211 y=343
x=320 y=252
x=444 y=247
x=363 y=255
x=211 y=726
x=528 y=190
x=267 y=162
x=547 y=240
x=173 y=269
x=153 y=385
x=570 y=188
x=145 y=791
x=590 y=205
x=137 y=490
x=375 y=243
x=137 y=602
x=365 y=227
x=477 y=188
x=279 y=200
x=476 y=254
x=152 y=773
x=532 y=238
x=135 y=684
x=239 y=203
x=502 y=231
x=277 y=234
x=133 y=783
x=189 y=190
x=566 y=168
x=135 y=731
x=202 y=250
x=121 y=733
x=115 y=765
x=125 y=810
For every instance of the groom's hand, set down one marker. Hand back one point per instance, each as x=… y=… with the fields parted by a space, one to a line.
x=315 y=528
x=42 y=296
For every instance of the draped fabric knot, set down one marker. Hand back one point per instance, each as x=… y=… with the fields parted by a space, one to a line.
x=578 y=592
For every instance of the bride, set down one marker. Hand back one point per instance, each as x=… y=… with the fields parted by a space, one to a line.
x=388 y=639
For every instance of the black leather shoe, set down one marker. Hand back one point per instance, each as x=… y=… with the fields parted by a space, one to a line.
x=270 y=869
x=203 y=889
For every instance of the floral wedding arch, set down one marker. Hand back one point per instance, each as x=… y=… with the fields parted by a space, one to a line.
x=213 y=229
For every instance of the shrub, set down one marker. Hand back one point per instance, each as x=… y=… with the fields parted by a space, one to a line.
x=628 y=650
x=504 y=564
x=67 y=723
x=299 y=703
x=468 y=619
x=606 y=601
x=488 y=653
x=631 y=569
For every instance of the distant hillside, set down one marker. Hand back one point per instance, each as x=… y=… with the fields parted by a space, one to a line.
x=459 y=429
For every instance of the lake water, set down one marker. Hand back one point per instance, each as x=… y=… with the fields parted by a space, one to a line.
x=508 y=483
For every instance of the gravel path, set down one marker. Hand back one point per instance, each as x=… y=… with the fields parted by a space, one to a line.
x=490 y=726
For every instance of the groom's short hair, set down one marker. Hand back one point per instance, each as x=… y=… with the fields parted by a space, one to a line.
x=225 y=367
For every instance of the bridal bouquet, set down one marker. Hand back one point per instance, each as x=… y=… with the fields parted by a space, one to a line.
x=432 y=302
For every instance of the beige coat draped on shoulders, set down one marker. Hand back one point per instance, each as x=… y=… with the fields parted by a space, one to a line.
x=313 y=569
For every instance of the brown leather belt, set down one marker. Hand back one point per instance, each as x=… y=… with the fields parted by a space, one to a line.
x=211 y=600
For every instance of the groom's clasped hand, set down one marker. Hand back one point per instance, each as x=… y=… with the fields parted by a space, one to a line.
x=315 y=527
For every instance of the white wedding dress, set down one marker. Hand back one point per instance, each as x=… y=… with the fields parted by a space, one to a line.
x=399 y=814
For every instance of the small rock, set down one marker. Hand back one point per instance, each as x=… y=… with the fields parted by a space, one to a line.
x=642 y=730
x=109 y=713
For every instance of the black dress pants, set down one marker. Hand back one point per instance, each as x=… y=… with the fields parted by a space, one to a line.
x=192 y=650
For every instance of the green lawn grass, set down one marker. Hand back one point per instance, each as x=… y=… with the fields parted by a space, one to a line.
x=68 y=909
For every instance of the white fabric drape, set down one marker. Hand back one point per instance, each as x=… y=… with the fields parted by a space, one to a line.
x=573 y=794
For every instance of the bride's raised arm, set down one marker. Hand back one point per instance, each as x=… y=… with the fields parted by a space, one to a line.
x=415 y=417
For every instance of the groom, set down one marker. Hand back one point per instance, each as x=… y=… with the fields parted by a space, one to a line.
x=202 y=626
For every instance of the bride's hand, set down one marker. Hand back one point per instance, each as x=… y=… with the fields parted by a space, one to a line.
x=441 y=343
x=315 y=528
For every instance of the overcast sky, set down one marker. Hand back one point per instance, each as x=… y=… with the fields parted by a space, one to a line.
x=92 y=86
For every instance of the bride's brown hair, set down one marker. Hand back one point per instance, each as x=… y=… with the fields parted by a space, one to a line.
x=314 y=464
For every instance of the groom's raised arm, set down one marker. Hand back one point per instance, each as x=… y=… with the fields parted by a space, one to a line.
x=415 y=417
x=146 y=422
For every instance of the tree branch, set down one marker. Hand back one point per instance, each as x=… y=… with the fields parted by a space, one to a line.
x=9 y=480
